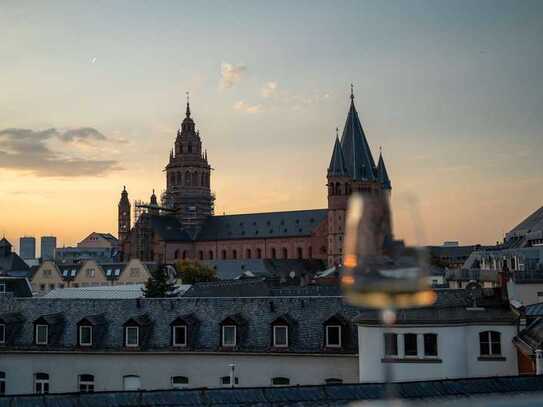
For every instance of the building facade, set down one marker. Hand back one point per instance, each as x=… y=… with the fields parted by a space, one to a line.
x=466 y=333
x=27 y=248
x=68 y=345
x=48 y=247
x=183 y=226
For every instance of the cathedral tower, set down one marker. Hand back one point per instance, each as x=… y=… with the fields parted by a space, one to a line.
x=351 y=168
x=188 y=177
x=124 y=216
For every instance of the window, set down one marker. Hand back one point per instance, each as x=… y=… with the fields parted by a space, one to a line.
x=300 y=252
x=285 y=253
x=234 y=254
x=490 y=343
x=223 y=254
x=201 y=255
x=210 y=255
x=229 y=335
x=248 y=253
x=430 y=344
x=178 y=382
x=85 y=335
x=410 y=344
x=273 y=253
x=2 y=383
x=179 y=333
x=225 y=380
x=391 y=344
x=131 y=382
x=333 y=380
x=2 y=333
x=41 y=334
x=333 y=336
x=132 y=336
x=280 y=336
x=86 y=383
x=280 y=381
x=41 y=383
x=259 y=253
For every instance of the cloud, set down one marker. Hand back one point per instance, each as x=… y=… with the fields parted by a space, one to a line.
x=32 y=151
x=83 y=134
x=231 y=74
x=247 y=108
x=268 y=89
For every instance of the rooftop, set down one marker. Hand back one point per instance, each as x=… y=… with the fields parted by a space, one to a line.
x=517 y=391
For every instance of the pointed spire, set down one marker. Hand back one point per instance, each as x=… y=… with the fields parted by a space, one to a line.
x=188 y=104
x=358 y=158
x=337 y=166
x=382 y=174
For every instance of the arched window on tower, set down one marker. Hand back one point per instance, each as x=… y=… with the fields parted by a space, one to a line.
x=338 y=188
x=202 y=179
x=331 y=188
x=190 y=147
x=179 y=180
x=188 y=178
x=194 y=179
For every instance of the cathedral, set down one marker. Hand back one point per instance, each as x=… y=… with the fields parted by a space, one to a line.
x=183 y=225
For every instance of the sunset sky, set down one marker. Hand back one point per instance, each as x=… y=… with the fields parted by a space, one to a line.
x=92 y=93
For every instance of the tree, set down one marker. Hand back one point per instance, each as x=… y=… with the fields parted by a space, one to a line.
x=159 y=284
x=192 y=272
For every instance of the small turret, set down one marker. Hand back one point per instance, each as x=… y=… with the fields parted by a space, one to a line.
x=382 y=174
x=124 y=215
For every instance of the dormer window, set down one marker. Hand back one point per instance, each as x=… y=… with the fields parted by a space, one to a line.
x=41 y=334
x=280 y=336
x=229 y=333
x=179 y=335
x=333 y=336
x=85 y=335
x=131 y=336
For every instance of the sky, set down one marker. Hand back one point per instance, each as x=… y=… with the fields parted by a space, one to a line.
x=92 y=93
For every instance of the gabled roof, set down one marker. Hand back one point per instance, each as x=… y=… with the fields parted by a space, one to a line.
x=356 y=149
x=337 y=167
x=382 y=174
x=530 y=338
x=262 y=225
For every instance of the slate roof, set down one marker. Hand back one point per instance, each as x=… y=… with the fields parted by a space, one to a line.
x=262 y=225
x=310 y=313
x=512 y=391
x=534 y=310
x=382 y=173
x=356 y=150
x=230 y=288
x=337 y=167
x=129 y=291
x=169 y=228
x=452 y=307
x=12 y=262
x=532 y=223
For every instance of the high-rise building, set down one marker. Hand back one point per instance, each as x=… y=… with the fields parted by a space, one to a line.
x=48 y=247
x=27 y=247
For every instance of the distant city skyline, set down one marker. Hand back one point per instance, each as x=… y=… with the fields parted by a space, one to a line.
x=92 y=96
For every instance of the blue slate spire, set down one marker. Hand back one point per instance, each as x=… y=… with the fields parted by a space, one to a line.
x=356 y=150
x=337 y=166
x=382 y=174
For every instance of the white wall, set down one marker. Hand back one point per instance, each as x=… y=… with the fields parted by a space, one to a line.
x=458 y=352
x=156 y=370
